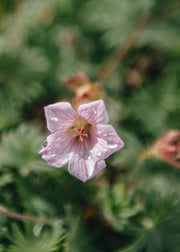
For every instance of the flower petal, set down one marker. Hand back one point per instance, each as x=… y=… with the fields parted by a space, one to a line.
x=59 y=115
x=81 y=165
x=58 y=150
x=105 y=141
x=100 y=165
x=94 y=112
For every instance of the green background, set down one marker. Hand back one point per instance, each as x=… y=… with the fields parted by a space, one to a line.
x=132 y=206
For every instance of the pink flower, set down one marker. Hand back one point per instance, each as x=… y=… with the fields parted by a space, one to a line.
x=80 y=138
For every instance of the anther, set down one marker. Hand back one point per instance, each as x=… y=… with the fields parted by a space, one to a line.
x=80 y=132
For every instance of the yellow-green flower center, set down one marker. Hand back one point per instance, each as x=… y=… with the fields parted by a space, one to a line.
x=81 y=130
x=80 y=133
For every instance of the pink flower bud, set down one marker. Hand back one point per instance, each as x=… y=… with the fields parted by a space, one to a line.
x=167 y=148
x=77 y=81
x=85 y=90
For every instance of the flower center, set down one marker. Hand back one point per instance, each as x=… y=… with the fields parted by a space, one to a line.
x=80 y=133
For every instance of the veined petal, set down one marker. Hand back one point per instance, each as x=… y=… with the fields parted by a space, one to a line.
x=59 y=115
x=58 y=150
x=81 y=165
x=54 y=139
x=100 y=165
x=94 y=112
x=105 y=141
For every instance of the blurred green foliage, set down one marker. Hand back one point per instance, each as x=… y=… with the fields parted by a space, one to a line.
x=131 y=206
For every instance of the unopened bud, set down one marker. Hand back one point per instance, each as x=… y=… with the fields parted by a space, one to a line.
x=85 y=90
x=167 y=149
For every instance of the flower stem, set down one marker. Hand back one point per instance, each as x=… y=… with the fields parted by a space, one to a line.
x=118 y=56
x=150 y=154
x=24 y=217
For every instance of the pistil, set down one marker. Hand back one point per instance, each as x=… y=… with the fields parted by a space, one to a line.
x=80 y=133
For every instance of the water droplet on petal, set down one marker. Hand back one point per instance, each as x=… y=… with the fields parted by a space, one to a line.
x=95 y=112
x=44 y=144
x=55 y=119
x=98 y=154
x=104 y=150
x=52 y=114
x=112 y=145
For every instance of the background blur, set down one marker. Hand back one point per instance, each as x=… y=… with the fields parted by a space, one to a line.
x=133 y=205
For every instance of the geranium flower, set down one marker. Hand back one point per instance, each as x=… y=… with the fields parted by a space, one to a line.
x=80 y=138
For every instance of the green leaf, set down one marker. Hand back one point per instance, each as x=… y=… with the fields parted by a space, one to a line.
x=36 y=238
x=19 y=149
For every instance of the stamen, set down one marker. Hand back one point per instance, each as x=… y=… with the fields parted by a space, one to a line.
x=80 y=132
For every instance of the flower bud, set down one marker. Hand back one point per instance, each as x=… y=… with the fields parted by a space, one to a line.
x=85 y=90
x=77 y=81
x=167 y=149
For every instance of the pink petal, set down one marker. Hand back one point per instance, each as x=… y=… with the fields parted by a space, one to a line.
x=81 y=164
x=58 y=150
x=100 y=165
x=94 y=112
x=105 y=141
x=59 y=115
